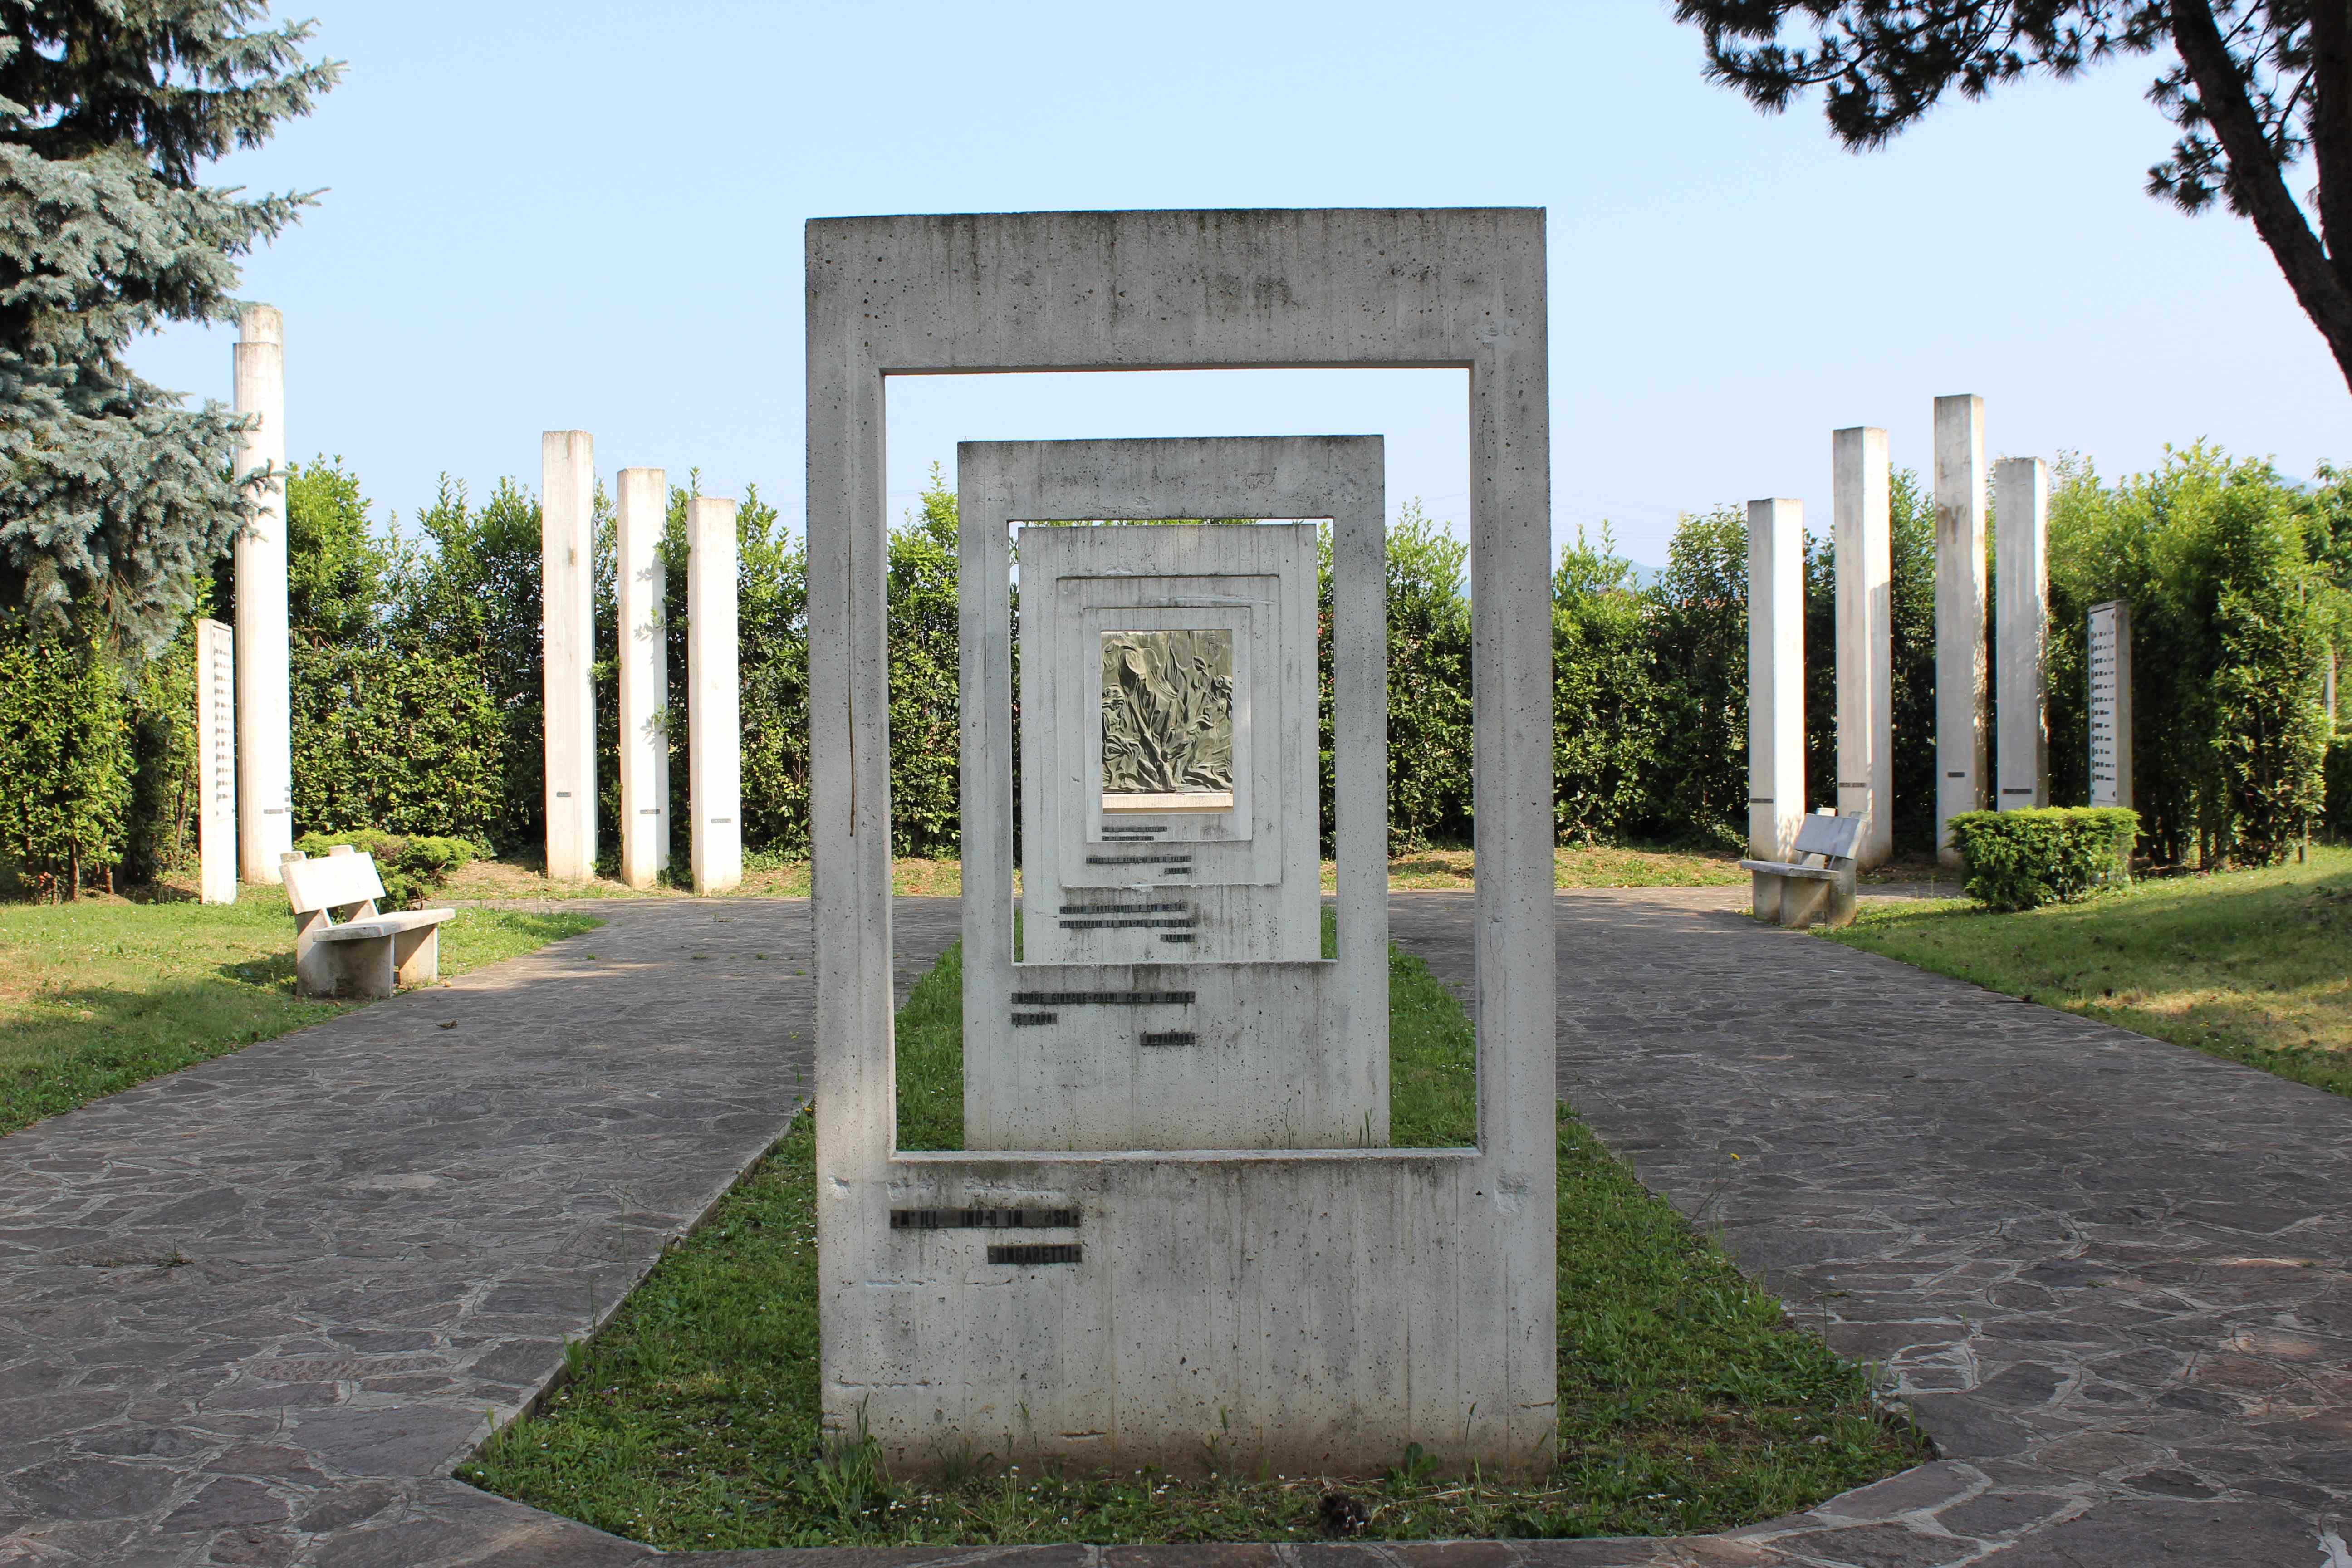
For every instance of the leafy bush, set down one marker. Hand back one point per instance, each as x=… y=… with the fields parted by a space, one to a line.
x=2020 y=859
x=409 y=866
x=64 y=753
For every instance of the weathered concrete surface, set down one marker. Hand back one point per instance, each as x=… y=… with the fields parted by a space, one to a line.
x=1961 y=683
x=714 y=743
x=2112 y=1273
x=1121 y=290
x=264 y=732
x=641 y=507
x=1860 y=527
x=1776 y=682
x=2021 y=513
x=567 y=630
x=268 y=1299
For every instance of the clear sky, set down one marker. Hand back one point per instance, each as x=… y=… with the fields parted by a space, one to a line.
x=553 y=213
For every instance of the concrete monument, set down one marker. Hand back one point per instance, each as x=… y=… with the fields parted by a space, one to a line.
x=2020 y=511
x=1776 y=682
x=1169 y=809
x=567 y=585
x=265 y=707
x=1959 y=614
x=1304 y=1309
x=2111 y=704
x=1860 y=528
x=641 y=507
x=215 y=763
x=714 y=738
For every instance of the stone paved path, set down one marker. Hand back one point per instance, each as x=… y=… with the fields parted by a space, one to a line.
x=256 y=1310
x=2111 y=1274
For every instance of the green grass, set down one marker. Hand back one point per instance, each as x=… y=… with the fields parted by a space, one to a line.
x=98 y=994
x=1687 y=1401
x=2253 y=966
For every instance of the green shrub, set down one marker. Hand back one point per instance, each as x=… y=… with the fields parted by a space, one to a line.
x=64 y=753
x=410 y=866
x=2018 y=860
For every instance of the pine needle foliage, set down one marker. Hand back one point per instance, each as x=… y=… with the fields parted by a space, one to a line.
x=115 y=501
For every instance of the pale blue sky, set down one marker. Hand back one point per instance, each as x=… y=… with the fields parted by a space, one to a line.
x=547 y=214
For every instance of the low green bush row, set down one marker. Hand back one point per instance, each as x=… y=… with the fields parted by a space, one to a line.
x=2053 y=855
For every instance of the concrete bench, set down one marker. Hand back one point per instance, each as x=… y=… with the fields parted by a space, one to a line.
x=1816 y=884
x=361 y=953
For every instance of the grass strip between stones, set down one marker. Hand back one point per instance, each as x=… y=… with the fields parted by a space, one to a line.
x=101 y=994
x=1688 y=1400
x=2253 y=966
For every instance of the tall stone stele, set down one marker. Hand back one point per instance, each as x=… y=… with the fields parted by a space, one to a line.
x=1776 y=682
x=1960 y=692
x=265 y=707
x=567 y=498
x=216 y=763
x=640 y=511
x=2111 y=703
x=1861 y=529
x=2020 y=511
x=714 y=739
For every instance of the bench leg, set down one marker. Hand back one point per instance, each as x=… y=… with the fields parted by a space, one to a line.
x=1838 y=909
x=416 y=956
x=368 y=971
x=1766 y=892
x=316 y=968
x=1802 y=902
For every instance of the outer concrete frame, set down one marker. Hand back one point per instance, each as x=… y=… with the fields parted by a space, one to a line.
x=1315 y=1306
x=1290 y=1051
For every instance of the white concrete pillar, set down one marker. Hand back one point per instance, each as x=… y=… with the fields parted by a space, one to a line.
x=642 y=501
x=264 y=706
x=2020 y=506
x=1861 y=531
x=1776 y=679
x=714 y=752
x=567 y=585
x=215 y=763
x=1960 y=680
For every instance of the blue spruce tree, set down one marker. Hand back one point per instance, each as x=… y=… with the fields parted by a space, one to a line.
x=115 y=501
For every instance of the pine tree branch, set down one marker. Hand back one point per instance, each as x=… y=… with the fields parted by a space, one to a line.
x=2257 y=181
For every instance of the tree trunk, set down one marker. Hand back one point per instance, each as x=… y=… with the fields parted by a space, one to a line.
x=2255 y=180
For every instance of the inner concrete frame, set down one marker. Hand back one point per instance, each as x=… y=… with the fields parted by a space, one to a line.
x=1301 y=1308
x=2021 y=513
x=641 y=505
x=1284 y=1050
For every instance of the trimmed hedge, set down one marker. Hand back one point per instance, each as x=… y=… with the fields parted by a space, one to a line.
x=2019 y=859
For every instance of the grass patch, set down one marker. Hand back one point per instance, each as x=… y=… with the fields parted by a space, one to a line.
x=1575 y=865
x=2253 y=966
x=1688 y=1402
x=98 y=994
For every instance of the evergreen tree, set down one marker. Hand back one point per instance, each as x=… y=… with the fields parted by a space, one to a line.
x=115 y=501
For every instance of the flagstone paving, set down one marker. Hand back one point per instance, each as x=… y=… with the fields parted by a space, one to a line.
x=255 y=1311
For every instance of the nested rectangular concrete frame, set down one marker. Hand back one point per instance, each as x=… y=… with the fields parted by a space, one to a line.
x=1284 y=1050
x=1305 y=1309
